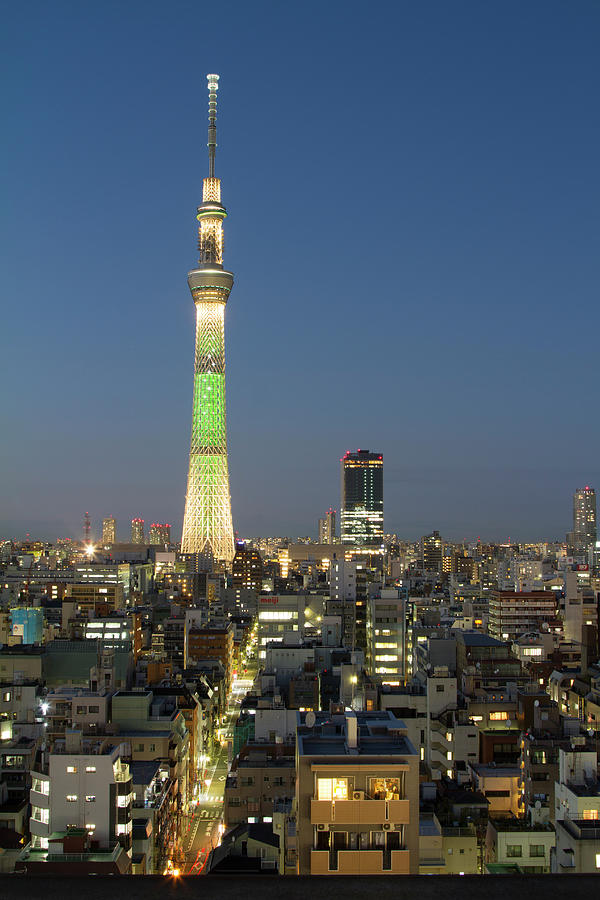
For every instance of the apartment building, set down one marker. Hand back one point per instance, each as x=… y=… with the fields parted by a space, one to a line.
x=513 y=613
x=84 y=784
x=357 y=796
x=260 y=777
x=516 y=842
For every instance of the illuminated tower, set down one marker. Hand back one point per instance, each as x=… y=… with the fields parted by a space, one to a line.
x=583 y=536
x=207 y=525
x=362 y=499
x=109 y=530
x=137 y=531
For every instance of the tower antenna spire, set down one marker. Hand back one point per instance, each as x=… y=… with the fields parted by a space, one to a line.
x=213 y=87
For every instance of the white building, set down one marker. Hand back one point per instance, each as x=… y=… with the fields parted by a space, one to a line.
x=386 y=626
x=279 y=614
x=86 y=784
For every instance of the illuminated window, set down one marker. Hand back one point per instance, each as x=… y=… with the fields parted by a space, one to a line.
x=71 y=770
x=384 y=788
x=71 y=798
x=90 y=768
x=90 y=798
x=332 y=788
x=499 y=716
x=590 y=814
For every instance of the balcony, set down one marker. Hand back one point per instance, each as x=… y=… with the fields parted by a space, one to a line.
x=360 y=862
x=36 y=798
x=359 y=812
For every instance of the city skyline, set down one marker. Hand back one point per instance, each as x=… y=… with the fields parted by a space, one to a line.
x=477 y=124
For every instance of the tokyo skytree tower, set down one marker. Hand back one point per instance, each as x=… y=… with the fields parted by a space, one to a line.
x=207 y=525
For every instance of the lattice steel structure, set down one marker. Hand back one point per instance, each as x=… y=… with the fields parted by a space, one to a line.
x=207 y=525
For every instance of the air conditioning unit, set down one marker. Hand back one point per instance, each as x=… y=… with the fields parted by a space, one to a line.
x=322 y=826
x=358 y=795
x=388 y=826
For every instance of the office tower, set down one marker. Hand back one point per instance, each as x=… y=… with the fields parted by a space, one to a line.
x=246 y=568
x=583 y=536
x=109 y=530
x=432 y=548
x=327 y=527
x=137 y=531
x=207 y=525
x=160 y=533
x=362 y=499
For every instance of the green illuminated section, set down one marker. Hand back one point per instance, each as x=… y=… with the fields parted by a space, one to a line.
x=208 y=417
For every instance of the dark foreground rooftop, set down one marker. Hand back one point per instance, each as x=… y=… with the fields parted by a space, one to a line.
x=232 y=887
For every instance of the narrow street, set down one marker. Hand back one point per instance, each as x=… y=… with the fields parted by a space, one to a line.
x=205 y=826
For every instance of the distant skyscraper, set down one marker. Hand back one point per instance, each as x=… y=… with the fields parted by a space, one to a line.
x=583 y=536
x=109 y=530
x=247 y=568
x=207 y=525
x=137 y=531
x=362 y=499
x=327 y=528
x=87 y=533
x=432 y=548
x=159 y=534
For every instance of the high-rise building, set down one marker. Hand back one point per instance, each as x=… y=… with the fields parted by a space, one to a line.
x=137 y=531
x=432 y=549
x=207 y=524
x=362 y=499
x=327 y=527
x=109 y=530
x=246 y=569
x=386 y=629
x=583 y=536
x=160 y=533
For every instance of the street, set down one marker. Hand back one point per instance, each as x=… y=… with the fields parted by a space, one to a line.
x=205 y=826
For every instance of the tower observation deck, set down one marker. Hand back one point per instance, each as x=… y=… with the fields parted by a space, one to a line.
x=207 y=524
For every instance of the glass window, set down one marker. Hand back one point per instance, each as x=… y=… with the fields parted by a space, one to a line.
x=384 y=788
x=499 y=716
x=71 y=770
x=513 y=850
x=42 y=787
x=71 y=798
x=332 y=788
x=536 y=850
x=590 y=814
x=90 y=798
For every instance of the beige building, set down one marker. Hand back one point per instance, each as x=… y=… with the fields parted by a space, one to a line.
x=260 y=776
x=500 y=786
x=515 y=842
x=447 y=850
x=357 y=796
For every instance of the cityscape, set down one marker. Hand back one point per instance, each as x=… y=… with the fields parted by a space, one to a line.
x=196 y=698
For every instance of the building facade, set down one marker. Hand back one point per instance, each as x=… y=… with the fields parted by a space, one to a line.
x=362 y=499
x=109 y=530
x=137 y=531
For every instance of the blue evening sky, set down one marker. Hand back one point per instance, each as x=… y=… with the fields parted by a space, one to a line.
x=413 y=201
